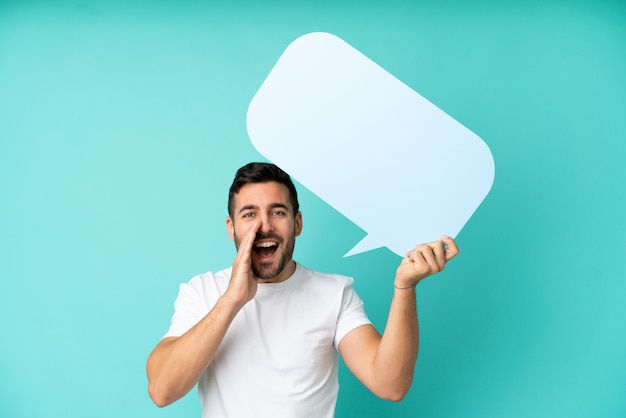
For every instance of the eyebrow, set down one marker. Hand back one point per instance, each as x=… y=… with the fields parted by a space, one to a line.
x=272 y=206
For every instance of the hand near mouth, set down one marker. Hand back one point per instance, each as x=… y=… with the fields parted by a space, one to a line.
x=243 y=283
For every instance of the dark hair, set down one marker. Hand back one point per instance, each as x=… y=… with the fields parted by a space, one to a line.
x=261 y=173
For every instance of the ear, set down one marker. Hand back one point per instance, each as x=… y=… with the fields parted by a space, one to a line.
x=230 y=228
x=298 y=223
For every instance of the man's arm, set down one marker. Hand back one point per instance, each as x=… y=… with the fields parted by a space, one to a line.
x=385 y=364
x=177 y=363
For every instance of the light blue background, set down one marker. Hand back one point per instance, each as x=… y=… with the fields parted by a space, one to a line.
x=121 y=126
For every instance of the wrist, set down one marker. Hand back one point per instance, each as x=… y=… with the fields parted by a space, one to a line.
x=232 y=302
x=400 y=286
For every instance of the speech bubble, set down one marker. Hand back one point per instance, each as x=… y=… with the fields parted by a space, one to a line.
x=364 y=142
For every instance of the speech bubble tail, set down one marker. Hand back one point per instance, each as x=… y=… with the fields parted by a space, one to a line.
x=366 y=244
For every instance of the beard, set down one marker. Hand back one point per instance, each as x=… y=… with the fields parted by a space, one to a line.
x=268 y=270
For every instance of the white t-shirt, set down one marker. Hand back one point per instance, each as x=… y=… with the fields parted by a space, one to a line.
x=279 y=356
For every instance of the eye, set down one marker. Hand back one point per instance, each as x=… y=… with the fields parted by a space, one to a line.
x=248 y=215
x=278 y=213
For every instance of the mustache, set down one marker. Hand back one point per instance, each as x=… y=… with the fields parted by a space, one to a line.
x=267 y=235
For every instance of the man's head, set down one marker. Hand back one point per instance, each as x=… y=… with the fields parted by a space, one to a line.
x=263 y=198
x=262 y=173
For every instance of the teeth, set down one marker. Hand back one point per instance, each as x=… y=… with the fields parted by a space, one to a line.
x=266 y=244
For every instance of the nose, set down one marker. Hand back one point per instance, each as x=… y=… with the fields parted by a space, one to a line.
x=266 y=224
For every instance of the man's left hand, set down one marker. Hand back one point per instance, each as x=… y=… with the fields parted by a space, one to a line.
x=425 y=260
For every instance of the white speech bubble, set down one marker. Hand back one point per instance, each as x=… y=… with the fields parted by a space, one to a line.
x=375 y=150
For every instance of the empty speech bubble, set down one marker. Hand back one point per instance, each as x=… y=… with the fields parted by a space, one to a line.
x=375 y=150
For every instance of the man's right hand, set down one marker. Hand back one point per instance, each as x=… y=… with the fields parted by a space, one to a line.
x=243 y=283
x=177 y=363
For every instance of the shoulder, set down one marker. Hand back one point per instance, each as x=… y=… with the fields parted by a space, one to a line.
x=210 y=276
x=207 y=283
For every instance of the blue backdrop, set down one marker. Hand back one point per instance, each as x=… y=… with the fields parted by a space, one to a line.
x=121 y=126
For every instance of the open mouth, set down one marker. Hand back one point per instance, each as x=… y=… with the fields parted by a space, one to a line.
x=265 y=249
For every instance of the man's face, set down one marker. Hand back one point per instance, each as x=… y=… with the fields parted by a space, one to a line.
x=275 y=240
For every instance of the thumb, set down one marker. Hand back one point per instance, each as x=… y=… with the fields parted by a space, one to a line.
x=451 y=249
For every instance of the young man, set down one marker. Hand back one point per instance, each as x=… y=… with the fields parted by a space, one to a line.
x=261 y=338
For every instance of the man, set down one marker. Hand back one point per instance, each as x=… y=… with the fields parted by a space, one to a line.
x=261 y=337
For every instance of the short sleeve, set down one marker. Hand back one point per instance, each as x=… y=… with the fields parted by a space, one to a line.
x=189 y=308
x=352 y=314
